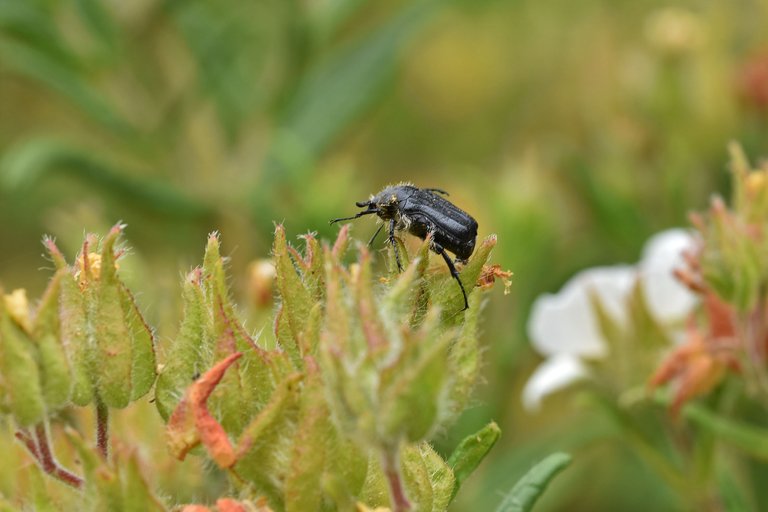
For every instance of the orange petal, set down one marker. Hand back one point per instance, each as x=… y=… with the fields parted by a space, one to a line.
x=229 y=505
x=191 y=423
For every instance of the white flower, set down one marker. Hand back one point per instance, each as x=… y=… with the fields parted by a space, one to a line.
x=667 y=299
x=564 y=328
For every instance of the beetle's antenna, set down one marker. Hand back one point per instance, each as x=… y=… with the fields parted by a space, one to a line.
x=360 y=204
x=366 y=212
x=370 y=242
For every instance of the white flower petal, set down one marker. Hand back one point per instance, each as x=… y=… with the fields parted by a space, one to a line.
x=552 y=375
x=565 y=323
x=613 y=286
x=668 y=300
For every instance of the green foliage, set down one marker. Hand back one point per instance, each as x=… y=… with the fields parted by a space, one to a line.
x=733 y=261
x=523 y=496
x=571 y=130
x=354 y=353
x=471 y=452
x=22 y=390
x=85 y=339
x=747 y=437
x=336 y=414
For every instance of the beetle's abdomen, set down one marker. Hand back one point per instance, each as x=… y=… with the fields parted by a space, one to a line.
x=452 y=227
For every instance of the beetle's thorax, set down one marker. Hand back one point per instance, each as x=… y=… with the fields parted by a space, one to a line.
x=388 y=202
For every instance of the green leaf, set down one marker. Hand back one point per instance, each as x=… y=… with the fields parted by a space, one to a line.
x=137 y=496
x=191 y=352
x=20 y=374
x=464 y=357
x=346 y=470
x=55 y=374
x=102 y=485
x=441 y=477
x=313 y=270
x=41 y=498
x=98 y=21
x=109 y=329
x=337 y=92
x=412 y=399
x=421 y=294
x=528 y=489
x=296 y=299
x=416 y=477
x=327 y=17
x=368 y=314
x=752 y=440
x=143 y=367
x=471 y=452
x=265 y=443
x=75 y=340
x=227 y=42
x=375 y=489
x=66 y=79
x=33 y=160
x=303 y=490
x=732 y=495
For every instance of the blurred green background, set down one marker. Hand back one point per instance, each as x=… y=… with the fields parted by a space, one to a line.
x=573 y=130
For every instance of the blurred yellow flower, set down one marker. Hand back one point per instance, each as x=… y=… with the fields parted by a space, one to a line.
x=674 y=31
x=17 y=305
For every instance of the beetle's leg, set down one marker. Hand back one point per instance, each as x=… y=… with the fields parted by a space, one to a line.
x=394 y=244
x=454 y=273
x=370 y=242
x=438 y=190
x=366 y=212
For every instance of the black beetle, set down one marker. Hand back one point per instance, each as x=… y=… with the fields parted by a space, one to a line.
x=420 y=211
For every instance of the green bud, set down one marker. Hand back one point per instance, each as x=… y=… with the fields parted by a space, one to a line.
x=191 y=353
x=464 y=357
x=303 y=484
x=73 y=328
x=137 y=495
x=267 y=441
x=55 y=371
x=143 y=369
x=429 y=480
x=20 y=374
x=124 y=362
x=296 y=298
x=413 y=388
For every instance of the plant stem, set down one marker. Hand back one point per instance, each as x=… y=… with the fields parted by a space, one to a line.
x=29 y=443
x=40 y=449
x=391 y=468
x=102 y=429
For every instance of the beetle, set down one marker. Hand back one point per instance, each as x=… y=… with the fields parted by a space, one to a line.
x=423 y=211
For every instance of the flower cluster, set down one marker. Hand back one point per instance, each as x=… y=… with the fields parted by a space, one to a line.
x=569 y=328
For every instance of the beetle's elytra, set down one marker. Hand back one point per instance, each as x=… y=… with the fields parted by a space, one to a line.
x=420 y=211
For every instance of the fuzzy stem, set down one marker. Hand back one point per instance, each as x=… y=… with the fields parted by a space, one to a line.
x=390 y=462
x=26 y=439
x=40 y=449
x=102 y=429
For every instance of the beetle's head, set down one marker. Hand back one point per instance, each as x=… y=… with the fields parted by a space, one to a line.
x=385 y=202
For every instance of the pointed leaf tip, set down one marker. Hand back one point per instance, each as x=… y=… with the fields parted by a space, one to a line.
x=529 y=489
x=341 y=243
x=471 y=452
